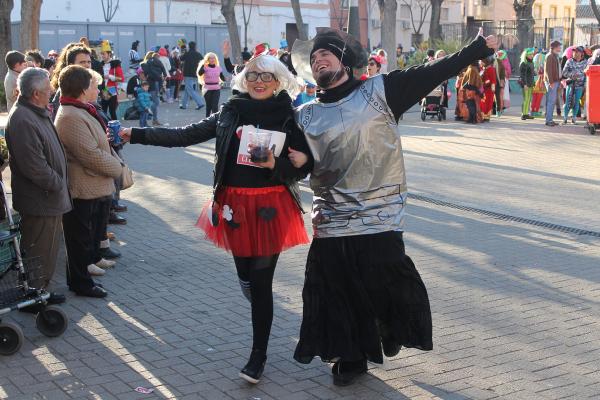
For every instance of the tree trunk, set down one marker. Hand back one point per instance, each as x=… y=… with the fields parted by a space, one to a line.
x=435 y=29
x=387 y=12
x=228 y=11
x=525 y=22
x=6 y=7
x=302 y=35
x=595 y=9
x=29 y=32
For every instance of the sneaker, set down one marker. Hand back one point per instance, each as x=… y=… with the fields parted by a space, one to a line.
x=116 y=219
x=346 y=372
x=118 y=207
x=94 y=270
x=156 y=123
x=551 y=123
x=523 y=117
x=574 y=121
x=199 y=107
x=564 y=122
x=109 y=253
x=183 y=108
x=254 y=368
x=105 y=264
x=529 y=116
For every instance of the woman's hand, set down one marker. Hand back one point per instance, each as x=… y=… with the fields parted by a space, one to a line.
x=297 y=158
x=125 y=134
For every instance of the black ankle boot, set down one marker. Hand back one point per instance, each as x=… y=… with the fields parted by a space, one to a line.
x=255 y=367
x=346 y=372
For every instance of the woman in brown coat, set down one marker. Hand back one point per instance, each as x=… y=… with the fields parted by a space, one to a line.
x=92 y=170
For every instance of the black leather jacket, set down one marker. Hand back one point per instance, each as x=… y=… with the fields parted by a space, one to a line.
x=222 y=126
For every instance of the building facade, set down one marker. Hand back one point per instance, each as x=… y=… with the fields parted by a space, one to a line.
x=587 y=26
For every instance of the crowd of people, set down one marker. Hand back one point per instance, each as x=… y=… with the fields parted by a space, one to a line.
x=484 y=87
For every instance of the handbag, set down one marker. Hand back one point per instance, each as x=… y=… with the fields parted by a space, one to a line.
x=126 y=173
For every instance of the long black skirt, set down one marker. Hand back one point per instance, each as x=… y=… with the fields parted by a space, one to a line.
x=356 y=289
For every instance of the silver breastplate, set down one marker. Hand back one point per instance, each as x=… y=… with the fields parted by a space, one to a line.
x=358 y=179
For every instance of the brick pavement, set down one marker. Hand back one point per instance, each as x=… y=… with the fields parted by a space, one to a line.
x=515 y=307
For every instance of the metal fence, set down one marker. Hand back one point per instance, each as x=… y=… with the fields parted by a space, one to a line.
x=544 y=32
x=587 y=34
x=55 y=35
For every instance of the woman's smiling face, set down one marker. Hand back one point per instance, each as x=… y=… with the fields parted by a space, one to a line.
x=258 y=89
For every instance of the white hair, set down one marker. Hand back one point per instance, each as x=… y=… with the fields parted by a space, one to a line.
x=286 y=80
x=30 y=80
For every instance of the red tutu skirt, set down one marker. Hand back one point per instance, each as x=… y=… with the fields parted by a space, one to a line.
x=253 y=222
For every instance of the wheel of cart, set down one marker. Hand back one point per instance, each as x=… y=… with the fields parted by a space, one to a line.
x=51 y=321
x=11 y=338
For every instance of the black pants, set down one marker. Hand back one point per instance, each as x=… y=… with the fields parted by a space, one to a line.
x=110 y=106
x=212 y=101
x=258 y=271
x=84 y=227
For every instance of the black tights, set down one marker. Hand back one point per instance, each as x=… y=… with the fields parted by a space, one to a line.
x=258 y=271
x=110 y=106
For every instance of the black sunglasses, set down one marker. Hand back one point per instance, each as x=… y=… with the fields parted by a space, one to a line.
x=264 y=76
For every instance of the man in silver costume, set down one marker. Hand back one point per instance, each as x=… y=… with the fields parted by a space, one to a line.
x=361 y=291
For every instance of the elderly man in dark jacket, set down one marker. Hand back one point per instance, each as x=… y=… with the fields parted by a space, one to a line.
x=39 y=173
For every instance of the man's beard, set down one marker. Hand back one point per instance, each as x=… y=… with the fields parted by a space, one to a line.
x=326 y=79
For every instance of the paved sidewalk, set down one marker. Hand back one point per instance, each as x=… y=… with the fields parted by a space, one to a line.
x=515 y=307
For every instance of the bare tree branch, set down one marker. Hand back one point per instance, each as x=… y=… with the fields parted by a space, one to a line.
x=109 y=9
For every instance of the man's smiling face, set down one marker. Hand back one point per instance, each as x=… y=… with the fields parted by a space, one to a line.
x=326 y=68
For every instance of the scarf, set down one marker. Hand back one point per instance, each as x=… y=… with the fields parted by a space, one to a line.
x=89 y=107
x=270 y=113
x=339 y=92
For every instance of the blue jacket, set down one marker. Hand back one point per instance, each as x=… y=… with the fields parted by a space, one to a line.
x=143 y=100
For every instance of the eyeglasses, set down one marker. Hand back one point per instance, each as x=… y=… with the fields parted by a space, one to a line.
x=264 y=76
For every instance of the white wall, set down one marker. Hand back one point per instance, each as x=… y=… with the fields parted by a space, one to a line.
x=267 y=23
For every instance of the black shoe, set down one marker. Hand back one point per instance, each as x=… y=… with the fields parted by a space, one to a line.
x=119 y=208
x=116 y=219
x=95 y=291
x=551 y=123
x=199 y=107
x=256 y=365
x=182 y=107
x=523 y=117
x=109 y=253
x=56 y=298
x=346 y=372
x=390 y=347
x=32 y=309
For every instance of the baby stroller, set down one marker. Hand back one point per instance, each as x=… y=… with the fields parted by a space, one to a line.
x=431 y=105
x=16 y=274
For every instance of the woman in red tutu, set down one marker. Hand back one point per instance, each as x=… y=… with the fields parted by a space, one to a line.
x=256 y=210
